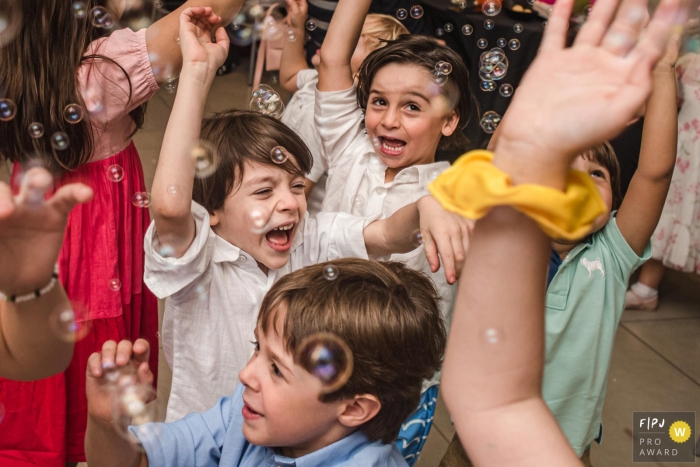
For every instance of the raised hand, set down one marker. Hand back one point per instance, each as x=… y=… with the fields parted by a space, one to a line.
x=123 y=357
x=572 y=98
x=31 y=230
x=200 y=54
x=298 y=10
x=444 y=234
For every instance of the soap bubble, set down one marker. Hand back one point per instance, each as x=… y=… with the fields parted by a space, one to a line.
x=439 y=32
x=439 y=79
x=433 y=174
x=416 y=11
x=70 y=323
x=10 y=20
x=357 y=201
x=544 y=25
x=79 y=10
x=489 y=24
x=518 y=28
x=205 y=159
x=138 y=14
x=279 y=155
x=73 y=113
x=482 y=43
x=506 y=90
x=491 y=7
x=311 y=25
x=59 y=141
x=130 y=407
x=444 y=68
x=170 y=85
x=588 y=10
x=36 y=130
x=8 y=110
x=492 y=336
x=467 y=29
x=489 y=121
x=463 y=5
x=501 y=42
x=173 y=190
x=101 y=18
x=291 y=35
x=514 y=44
x=328 y=358
x=115 y=284
x=402 y=14
x=448 y=27
x=330 y=272
x=115 y=173
x=258 y=220
x=493 y=64
x=417 y=238
x=487 y=86
x=141 y=199
x=267 y=101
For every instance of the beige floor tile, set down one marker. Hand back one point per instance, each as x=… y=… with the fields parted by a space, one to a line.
x=442 y=421
x=433 y=450
x=679 y=297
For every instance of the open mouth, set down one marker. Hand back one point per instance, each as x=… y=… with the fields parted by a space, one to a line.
x=250 y=414
x=280 y=238
x=391 y=146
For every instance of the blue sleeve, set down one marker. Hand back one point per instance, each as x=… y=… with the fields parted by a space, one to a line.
x=196 y=440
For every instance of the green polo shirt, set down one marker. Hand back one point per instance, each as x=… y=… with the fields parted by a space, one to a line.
x=584 y=303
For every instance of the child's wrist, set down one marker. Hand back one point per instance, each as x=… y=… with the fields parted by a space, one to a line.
x=529 y=164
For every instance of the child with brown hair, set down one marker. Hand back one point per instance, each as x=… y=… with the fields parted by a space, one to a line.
x=386 y=314
x=297 y=77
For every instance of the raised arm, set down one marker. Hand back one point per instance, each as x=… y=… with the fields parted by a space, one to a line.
x=644 y=201
x=293 y=59
x=171 y=195
x=495 y=354
x=161 y=36
x=31 y=234
x=335 y=73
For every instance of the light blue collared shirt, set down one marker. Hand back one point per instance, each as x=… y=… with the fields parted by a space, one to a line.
x=215 y=438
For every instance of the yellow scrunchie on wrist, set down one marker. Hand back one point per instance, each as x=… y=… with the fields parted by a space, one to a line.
x=473 y=185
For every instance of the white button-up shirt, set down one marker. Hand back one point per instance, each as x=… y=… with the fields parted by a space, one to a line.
x=214 y=292
x=356 y=178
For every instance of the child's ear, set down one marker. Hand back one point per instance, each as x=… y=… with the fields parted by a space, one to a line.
x=213 y=219
x=359 y=410
x=450 y=125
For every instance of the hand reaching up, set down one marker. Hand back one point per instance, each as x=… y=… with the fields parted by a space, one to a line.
x=31 y=230
x=200 y=54
x=298 y=10
x=572 y=98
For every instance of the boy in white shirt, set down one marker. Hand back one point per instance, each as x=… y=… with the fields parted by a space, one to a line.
x=296 y=77
x=215 y=258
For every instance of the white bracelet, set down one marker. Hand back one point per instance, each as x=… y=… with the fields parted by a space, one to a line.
x=36 y=294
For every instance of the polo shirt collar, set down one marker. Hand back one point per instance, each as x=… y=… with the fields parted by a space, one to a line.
x=224 y=251
x=332 y=455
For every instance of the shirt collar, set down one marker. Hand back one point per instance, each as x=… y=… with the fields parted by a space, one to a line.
x=225 y=252
x=422 y=174
x=332 y=455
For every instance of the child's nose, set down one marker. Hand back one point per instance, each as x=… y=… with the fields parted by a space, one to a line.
x=288 y=202
x=390 y=119
x=247 y=376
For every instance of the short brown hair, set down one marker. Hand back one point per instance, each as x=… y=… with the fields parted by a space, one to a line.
x=604 y=154
x=240 y=136
x=424 y=52
x=386 y=313
x=383 y=28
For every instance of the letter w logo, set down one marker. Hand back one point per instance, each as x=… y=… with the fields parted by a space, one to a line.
x=679 y=432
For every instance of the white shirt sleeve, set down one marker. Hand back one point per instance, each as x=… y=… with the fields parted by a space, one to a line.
x=331 y=236
x=166 y=276
x=339 y=123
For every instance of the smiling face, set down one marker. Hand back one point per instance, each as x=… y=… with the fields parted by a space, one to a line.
x=282 y=406
x=601 y=177
x=407 y=115
x=261 y=215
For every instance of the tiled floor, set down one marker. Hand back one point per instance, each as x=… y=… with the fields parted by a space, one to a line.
x=655 y=365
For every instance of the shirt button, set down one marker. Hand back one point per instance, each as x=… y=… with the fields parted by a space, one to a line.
x=242 y=259
x=380 y=190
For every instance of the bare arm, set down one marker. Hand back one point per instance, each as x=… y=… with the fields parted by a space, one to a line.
x=176 y=165
x=644 y=201
x=161 y=36
x=293 y=60
x=31 y=234
x=335 y=73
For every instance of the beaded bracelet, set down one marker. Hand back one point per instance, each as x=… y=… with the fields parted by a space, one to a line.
x=33 y=295
x=473 y=185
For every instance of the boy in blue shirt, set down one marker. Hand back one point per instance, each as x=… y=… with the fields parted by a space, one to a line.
x=388 y=316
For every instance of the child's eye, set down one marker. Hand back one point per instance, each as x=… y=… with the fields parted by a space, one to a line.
x=263 y=191
x=598 y=173
x=413 y=108
x=256 y=344
x=276 y=371
x=378 y=101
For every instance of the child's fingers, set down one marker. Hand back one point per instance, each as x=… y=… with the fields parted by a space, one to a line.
x=222 y=38
x=653 y=42
x=34 y=185
x=7 y=204
x=68 y=196
x=555 y=35
x=123 y=353
x=597 y=23
x=444 y=245
x=431 y=252
x=109 y=350
x=141 y=350
x=94 y=365
x=144 y=375
x=624 y=31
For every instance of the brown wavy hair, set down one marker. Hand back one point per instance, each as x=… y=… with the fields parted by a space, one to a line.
x=39 y=72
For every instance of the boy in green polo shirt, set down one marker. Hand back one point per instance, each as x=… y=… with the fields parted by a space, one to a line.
x=588 y=280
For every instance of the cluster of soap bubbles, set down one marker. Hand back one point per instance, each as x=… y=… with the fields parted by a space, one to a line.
x=267 y=101
x=130 y=403
x=141 y=199
x=493 y=65
x=489 y=121
x=441 y=72
x=326 y=357
x=205 y=159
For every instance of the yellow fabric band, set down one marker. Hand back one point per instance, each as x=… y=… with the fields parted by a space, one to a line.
x=473 y=185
